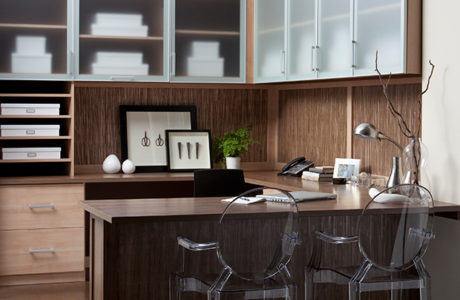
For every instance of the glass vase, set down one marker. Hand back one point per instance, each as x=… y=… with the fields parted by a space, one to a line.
x=415 y=156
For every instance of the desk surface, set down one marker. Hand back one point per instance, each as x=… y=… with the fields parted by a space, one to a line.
x=350 y=201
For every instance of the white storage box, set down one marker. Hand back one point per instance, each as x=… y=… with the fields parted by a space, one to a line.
x=30 y=109
x=32 y=153
x=118 y=30
x=30 y=45
x=205 y=67
x=120 y=70
x=29 y=130
x=110 y=19
x=31 y=63
x=119 y=58
x=205 y=50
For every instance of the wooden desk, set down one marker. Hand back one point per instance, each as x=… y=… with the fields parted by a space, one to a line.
x=133 y=243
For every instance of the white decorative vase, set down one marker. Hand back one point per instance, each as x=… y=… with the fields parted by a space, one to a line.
x=128 y=167
x=233 y=162
x=111 y=164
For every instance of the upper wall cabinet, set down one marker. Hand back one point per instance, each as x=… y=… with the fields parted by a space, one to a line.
x=121 y=40
x=307 y=39
x=208 y=40
x=35 y=39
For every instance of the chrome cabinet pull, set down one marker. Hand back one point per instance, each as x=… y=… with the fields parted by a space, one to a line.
x=311 y=58
x=353 y=50
x=37 y=251
x=121 y=78
x=31 y=206
x=283 y=61
x=173 y=64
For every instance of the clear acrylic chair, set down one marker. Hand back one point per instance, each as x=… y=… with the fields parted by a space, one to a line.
x=393 y=233
x=254 y=244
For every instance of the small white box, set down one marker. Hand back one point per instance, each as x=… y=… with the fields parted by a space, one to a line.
x=29 y=63
x=118 y=30
x=29 y=130
x=30 y=45
x=32 y=153
x=205 y=67
x=110 y=19
x=205 y=50
x=120 y=70
x=119 y=58
x=51 y=109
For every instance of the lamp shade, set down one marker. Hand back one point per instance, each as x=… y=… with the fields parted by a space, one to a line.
x=367 y=131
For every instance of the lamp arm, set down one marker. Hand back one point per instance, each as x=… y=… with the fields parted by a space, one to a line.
x=382 y=136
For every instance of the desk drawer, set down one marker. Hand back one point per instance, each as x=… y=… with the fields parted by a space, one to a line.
x=41 y=251
x=40 y=206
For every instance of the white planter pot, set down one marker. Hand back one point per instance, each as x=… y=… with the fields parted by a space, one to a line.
x=233 y=162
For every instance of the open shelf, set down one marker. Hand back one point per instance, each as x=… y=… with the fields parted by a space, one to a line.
x=23 y=95
x=35 y=117
x=60 y=160
x=32 y=26
x=15 y=138
x=207 y=32
x=149 y=38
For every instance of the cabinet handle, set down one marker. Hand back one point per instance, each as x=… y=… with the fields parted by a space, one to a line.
x=283 y=61
x=173 y=64
x=311 y=59
x=316 y=53
x=117 y=78
x=31 y=206
x=35 y=251
x=353 y=51
x=30 y=131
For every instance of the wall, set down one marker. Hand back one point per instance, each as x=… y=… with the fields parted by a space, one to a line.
x=441 y=135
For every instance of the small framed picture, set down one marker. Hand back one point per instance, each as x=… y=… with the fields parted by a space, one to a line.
x=143 y=130
x=188 y=150
x=346 y=167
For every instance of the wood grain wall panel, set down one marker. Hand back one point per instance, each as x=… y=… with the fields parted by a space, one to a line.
x=369 y=105
x=312 y=123
x=97 y=120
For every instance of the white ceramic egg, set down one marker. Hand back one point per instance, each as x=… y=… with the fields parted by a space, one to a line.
x=111 y=164
x=128 y=167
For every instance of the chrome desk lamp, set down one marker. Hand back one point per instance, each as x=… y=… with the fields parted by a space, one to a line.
x=369 y=132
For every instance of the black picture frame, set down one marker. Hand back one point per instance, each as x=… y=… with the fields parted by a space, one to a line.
x=188 y=159
x=150 y=156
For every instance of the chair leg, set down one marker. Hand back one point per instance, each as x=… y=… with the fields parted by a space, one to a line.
x=309 y=293
x=425 y=289
x=353 y=291
x=174 y=287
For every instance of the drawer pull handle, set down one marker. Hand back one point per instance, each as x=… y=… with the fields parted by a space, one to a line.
x=35 y=251
x=30 y=131
x=31 y=154
x=31 y=206
x=30 y=110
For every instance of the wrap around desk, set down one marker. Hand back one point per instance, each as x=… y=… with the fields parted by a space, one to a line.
x=133 y=243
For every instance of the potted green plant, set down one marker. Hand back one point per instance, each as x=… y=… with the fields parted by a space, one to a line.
x=228 y=148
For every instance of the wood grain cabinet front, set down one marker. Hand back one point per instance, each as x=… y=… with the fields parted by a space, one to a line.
x=33 y=207
x=41 y=251
x=41 y=233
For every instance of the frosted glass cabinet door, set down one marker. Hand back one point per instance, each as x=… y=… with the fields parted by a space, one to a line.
x=35 y=39
x=208 y=41
x=121 y=40
x=335 y=43
x=379 y=26
x=301 y=39
x=269 y=46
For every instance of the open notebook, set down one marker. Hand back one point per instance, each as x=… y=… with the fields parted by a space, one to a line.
x=299 y=196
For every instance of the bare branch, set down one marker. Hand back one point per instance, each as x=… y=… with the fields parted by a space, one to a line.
x=429 y=78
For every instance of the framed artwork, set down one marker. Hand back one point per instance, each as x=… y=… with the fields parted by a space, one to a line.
x=143 y=133
x=188 y=150
x=345 y=168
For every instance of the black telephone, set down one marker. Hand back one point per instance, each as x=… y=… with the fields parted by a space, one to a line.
x=296 y=166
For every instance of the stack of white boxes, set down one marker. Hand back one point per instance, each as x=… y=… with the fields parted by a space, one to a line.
x=120 y=63
x=119 y=25
x=30 y=55
x=205 y=60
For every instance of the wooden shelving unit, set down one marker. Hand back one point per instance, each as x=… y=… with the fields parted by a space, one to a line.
x=65 y=97
x=116 y=37
x=33 y=26
x=208 y=32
